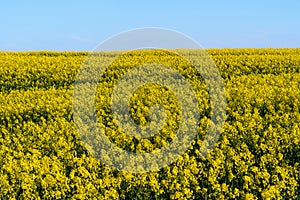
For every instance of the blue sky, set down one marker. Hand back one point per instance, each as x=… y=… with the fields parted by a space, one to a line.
x=81 y=25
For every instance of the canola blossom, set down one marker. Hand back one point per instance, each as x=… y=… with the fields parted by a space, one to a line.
x=257 y=155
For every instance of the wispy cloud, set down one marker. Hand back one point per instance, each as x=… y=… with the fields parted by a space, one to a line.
x=81 y=39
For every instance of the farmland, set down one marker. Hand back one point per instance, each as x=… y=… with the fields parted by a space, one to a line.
x=256 y=157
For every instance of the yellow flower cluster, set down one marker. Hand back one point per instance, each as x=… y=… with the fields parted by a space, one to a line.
x=256 y=157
